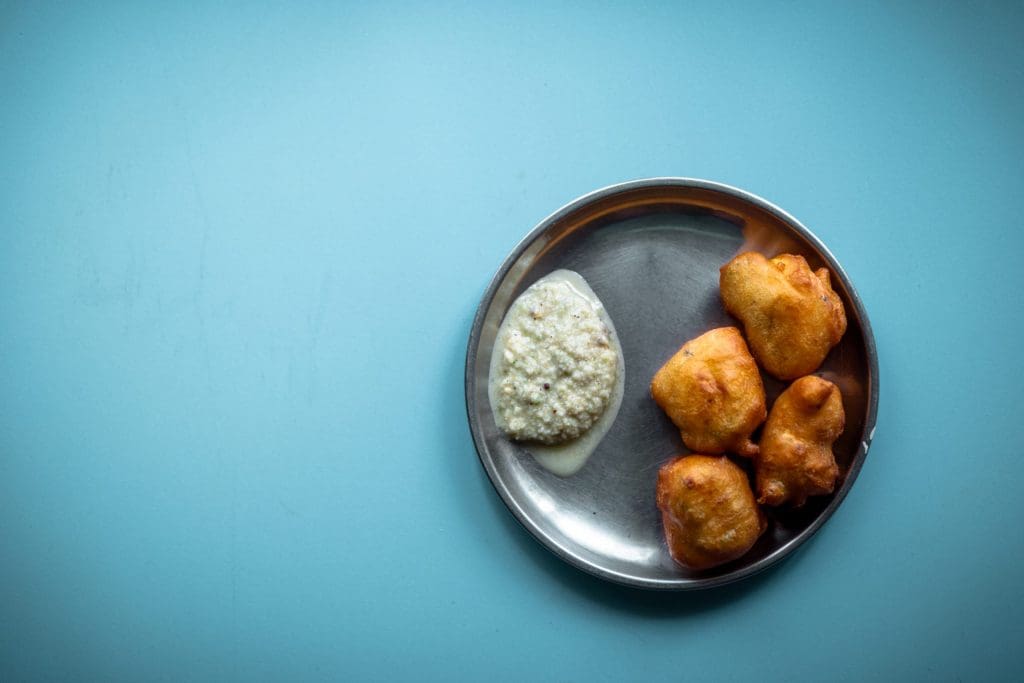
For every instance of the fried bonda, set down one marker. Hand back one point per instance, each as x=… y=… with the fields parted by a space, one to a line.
x=707 y=510
x=791 y=315
x=712 y=391
x=796 y=459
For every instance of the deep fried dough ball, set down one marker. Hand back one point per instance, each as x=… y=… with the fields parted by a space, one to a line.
x=707 y=510
x=796 y=458
x=791 y=315
x=712 y=391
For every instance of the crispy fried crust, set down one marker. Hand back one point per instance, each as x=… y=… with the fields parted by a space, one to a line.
x=796 y=459
x=707 y=510
x=791 y=315
x=712 y=391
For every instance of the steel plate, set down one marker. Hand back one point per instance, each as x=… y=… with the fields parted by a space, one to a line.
x=651 y=250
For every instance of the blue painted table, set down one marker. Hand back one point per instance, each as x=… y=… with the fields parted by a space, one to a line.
x=240 y=248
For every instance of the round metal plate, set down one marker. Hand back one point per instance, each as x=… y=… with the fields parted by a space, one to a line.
x=651 y=250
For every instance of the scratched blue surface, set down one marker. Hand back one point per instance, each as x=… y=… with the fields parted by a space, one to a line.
x=240 y=248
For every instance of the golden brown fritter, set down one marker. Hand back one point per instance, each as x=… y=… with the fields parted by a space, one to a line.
x=707 y=510
x=796 y=458
x=712 y=391
x=791 y=315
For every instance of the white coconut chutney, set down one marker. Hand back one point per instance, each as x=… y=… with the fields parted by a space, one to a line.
x=557 y=371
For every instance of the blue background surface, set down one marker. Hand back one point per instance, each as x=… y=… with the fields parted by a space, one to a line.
x=240 y=250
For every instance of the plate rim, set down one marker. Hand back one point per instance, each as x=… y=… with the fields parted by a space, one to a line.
x=551 y=544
